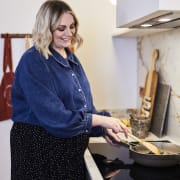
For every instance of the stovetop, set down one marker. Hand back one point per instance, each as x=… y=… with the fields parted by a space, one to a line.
x=114 y=164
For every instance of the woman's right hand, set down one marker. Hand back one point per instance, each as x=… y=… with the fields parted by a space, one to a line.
x=109 y=123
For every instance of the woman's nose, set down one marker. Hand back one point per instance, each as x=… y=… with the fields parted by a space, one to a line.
x=68 y=31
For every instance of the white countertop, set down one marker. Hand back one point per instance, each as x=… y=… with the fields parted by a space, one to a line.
x=92 y=169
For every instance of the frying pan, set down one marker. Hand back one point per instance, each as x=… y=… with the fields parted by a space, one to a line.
x=142 y=156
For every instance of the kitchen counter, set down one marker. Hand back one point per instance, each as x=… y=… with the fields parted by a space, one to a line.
x=93 y=172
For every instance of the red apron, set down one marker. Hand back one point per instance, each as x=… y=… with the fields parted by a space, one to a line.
x=6 y=82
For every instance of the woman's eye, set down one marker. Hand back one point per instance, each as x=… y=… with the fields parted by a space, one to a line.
x=61 y=28
x=72 y=26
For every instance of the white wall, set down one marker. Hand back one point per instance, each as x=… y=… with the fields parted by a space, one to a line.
x=110 y=63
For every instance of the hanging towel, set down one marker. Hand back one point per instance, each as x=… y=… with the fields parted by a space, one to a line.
x=6 y=82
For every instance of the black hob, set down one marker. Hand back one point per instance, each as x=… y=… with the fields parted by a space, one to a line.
x=114 y=164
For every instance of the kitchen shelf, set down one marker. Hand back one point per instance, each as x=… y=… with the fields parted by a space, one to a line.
x=132 y=32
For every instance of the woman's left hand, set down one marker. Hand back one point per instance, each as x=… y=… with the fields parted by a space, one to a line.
x=112 y=137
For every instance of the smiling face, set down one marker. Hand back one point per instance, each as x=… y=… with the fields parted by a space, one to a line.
x=64 y=32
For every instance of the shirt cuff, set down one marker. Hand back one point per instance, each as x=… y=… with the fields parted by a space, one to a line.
x=87 y=123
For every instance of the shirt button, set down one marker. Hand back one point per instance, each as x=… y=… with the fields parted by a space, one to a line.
x=85 y=106
x=79 y=90
x=86 y=131
x=73 y=74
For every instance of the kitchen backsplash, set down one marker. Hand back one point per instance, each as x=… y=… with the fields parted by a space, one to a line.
x=168 y=67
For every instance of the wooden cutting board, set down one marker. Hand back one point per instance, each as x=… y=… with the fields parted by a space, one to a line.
x=160 y=109
x=150 y=88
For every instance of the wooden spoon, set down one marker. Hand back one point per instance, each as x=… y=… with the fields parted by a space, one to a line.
x=146 y=144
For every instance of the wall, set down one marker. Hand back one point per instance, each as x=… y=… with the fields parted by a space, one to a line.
x=110 y=63
x=168 y=65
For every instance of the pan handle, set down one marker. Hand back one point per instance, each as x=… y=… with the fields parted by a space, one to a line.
x=178 y=157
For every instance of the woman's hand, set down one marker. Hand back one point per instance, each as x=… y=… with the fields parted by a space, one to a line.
x=109 y=123
x=112 y=126
x=112 y=138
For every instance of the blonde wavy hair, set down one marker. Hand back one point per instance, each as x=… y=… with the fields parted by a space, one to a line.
x=46 y=22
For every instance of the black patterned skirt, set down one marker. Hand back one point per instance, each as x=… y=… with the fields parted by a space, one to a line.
x=37 y=155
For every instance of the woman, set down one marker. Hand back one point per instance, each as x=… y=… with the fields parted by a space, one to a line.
x=53 y=110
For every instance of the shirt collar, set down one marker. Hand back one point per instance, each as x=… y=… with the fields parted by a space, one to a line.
x=61 y=60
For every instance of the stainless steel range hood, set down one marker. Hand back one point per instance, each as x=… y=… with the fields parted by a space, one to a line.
x=158 y=19
x=148 y=14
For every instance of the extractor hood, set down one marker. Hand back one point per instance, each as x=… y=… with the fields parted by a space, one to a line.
x=148 y=14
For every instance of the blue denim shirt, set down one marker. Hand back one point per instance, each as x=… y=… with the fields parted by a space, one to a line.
x=54 y=94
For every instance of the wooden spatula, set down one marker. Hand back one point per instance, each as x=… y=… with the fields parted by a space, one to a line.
x=154 y=149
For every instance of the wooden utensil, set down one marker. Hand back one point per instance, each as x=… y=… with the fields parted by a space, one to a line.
x=150 y=88
x=146 y=144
